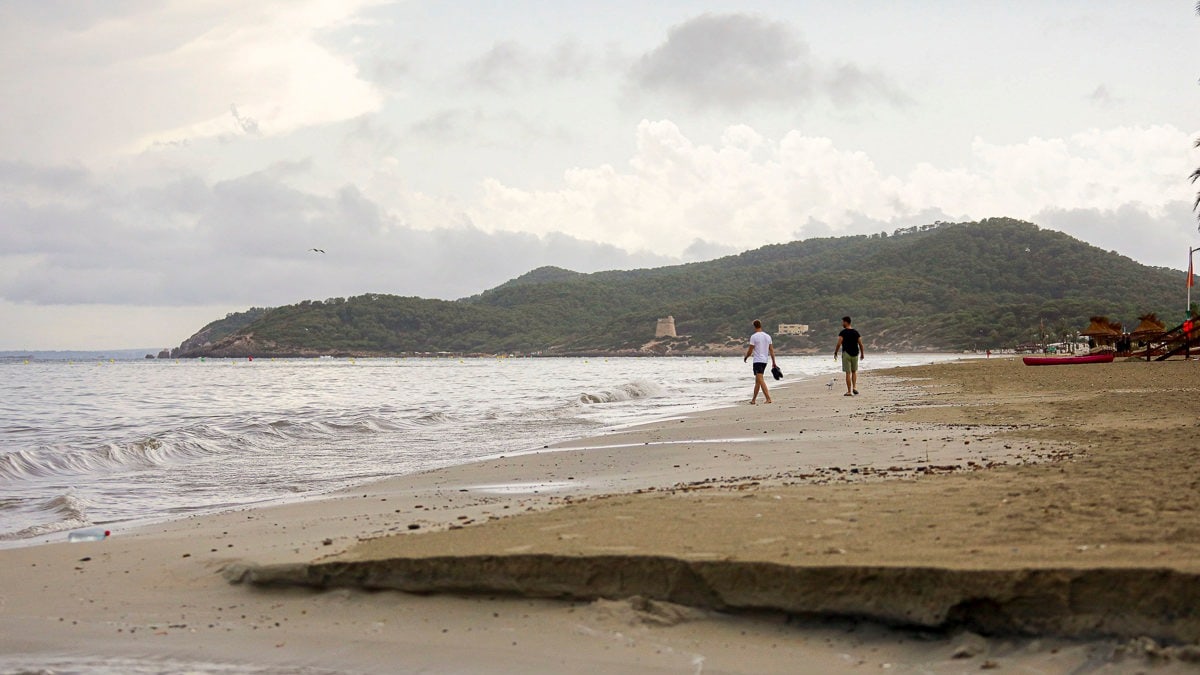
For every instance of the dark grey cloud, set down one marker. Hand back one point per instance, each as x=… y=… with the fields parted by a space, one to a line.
x=245 y=241
x=732 y=61
x=1168 y=236
x=729 y=60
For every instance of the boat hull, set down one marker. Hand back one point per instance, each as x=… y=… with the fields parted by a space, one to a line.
x=1066 y=360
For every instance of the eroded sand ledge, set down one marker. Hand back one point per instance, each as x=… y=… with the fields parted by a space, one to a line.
x=1102 y=544
x=1081 y=603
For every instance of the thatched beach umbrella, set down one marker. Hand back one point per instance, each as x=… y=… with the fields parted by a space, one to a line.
x=1100 y=326
x=1103 y=331
x=1148 y=328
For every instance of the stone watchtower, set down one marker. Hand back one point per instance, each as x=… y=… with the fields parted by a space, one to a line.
x=666 y=328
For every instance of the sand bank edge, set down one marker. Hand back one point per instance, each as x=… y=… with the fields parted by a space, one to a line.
x=1065 y=602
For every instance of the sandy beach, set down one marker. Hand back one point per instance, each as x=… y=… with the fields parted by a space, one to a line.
x=964 y=516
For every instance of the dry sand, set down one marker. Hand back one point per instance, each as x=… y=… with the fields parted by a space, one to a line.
x=980 y=494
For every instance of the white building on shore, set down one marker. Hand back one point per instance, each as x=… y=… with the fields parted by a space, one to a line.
x=792 y=329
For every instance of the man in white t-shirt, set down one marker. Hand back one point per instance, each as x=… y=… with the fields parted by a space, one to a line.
x=763 y=351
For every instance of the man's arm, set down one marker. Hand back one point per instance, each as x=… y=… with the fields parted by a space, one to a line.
x=861 y=350
x=749 y=351
x=838 y=347
x=771 y=350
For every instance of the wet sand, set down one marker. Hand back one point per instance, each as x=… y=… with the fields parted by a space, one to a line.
x=1074 y=486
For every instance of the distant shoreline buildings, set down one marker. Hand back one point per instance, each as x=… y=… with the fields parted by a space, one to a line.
x=792 y=329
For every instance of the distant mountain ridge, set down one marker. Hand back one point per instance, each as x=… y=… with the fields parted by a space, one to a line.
x=943 y=286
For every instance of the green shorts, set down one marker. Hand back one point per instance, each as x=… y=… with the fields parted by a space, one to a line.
x=849 y=363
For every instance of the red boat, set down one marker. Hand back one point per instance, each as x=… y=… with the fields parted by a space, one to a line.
x=1103 y=357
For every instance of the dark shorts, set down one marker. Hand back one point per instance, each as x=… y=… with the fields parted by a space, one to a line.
x=759 y=368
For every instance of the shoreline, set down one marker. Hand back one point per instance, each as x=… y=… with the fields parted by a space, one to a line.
x=160 y=590
x=51 y=532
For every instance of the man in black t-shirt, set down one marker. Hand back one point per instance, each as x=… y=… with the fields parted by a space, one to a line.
x=850 y=344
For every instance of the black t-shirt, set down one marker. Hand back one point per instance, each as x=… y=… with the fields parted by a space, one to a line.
x=849 y=341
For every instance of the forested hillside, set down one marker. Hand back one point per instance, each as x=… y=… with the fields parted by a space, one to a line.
x=945 y=286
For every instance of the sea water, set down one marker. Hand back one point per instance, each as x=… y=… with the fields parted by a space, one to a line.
x=107 y=442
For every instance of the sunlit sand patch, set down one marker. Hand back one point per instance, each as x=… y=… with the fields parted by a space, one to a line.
x=700 y=555
x=765 y=541
x=688 y=441
x=523 y=488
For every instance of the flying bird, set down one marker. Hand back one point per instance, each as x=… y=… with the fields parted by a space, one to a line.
x=317 y=250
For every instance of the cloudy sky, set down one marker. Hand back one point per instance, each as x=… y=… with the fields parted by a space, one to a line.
x=163 y=162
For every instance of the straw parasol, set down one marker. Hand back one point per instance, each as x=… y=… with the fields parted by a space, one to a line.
x=1103 y=331
x=1148 y=328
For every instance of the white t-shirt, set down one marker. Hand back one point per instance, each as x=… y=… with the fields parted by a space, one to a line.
x=762 y=344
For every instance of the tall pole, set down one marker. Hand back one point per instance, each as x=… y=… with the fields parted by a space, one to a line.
x=1188 y=313
x=1187 y=316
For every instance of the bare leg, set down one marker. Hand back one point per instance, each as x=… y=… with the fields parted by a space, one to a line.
x=854 y=381
x=849 y=384
x=761 y=383
x=757 y=385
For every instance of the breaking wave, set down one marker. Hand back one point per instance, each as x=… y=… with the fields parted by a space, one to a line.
x=195 y=442
x=627 y=392
x=48 y=461
x=67 y=512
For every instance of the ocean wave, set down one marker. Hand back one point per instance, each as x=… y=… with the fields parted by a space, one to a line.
x=197 y=442
x=433 y=419
x=68 y=512
x=48 y=461
x=627 y=392
x=366 y=423
x=704 y=380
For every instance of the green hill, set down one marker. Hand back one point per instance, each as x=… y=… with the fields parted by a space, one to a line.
x=943 y=286
x=218 y=330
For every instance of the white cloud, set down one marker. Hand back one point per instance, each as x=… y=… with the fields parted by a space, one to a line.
x=746 y=191
x=167 y=73
x=72 y=236
x=1098 y=169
